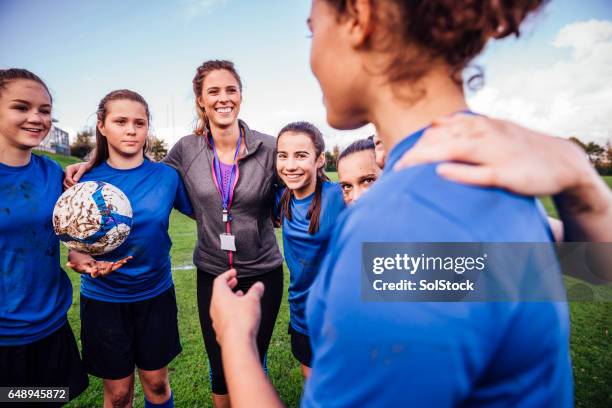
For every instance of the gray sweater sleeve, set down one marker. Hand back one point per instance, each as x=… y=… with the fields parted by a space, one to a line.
x=174 y=156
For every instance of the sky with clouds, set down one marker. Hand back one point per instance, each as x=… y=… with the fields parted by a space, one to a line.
x=557 y=77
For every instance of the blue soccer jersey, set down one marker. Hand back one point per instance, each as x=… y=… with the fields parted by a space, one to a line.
x=396 y=354
x=304 y=252
x=35 y=293
x=153 y=190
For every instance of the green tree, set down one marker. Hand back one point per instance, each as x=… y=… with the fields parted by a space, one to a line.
x=83 y=143
x=605 y=168
x=595 y=152
x=158 y=149
x=330 y=163
x=331 y=159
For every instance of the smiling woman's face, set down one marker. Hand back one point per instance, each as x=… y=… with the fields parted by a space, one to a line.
x=25 y=113
x=220 y=98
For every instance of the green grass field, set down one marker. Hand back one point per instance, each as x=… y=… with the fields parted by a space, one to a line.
x=60 y=158
x=591 y=340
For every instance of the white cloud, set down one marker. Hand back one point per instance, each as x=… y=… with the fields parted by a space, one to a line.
x=571 y=97
x=197 y=8
x=583 y=35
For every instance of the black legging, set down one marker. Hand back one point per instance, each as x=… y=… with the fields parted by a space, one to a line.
x=270 y=303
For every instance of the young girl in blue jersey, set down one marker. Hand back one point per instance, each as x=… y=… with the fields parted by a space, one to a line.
x=308 y=207
x=401 y=67
x=129 y=316
x=37 y=346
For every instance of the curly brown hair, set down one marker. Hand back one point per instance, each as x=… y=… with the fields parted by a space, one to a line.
x=448 y=30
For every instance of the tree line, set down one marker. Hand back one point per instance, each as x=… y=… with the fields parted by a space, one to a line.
x=85 y=143
x=600 y=156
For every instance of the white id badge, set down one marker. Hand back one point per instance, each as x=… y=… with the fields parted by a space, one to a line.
x=228 y=242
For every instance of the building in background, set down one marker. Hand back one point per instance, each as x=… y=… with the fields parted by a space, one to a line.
x=56 y=142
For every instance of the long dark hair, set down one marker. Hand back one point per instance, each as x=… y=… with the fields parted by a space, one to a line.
x=314 y=211
x=101 y=150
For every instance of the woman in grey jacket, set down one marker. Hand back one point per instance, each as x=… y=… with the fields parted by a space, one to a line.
x=229 y=172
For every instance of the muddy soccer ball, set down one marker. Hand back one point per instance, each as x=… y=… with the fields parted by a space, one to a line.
x=92 y=217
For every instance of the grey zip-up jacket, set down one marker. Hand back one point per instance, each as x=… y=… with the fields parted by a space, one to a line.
x=256 y=248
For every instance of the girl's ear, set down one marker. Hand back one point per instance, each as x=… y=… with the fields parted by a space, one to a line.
x=100 y=126
x=321 y=161
x=360 y=21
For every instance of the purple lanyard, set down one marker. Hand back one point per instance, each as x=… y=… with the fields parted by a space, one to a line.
x=226 y=195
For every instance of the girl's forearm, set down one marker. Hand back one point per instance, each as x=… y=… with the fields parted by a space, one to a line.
x=247 y=383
